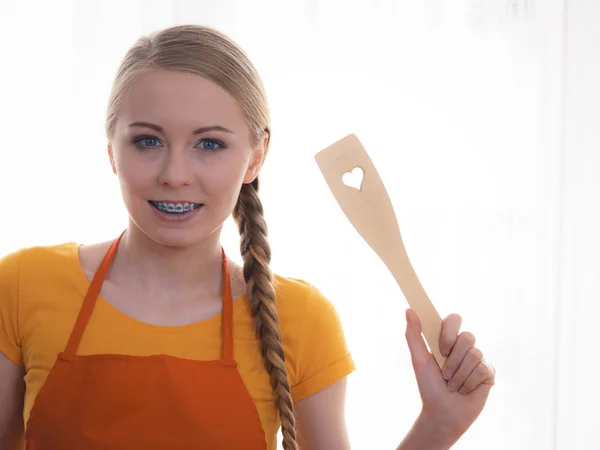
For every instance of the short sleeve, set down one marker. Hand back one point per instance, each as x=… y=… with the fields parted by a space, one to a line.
x=321 y=356
x=10 y=342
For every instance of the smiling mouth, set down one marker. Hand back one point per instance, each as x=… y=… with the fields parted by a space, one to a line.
x=175 y=208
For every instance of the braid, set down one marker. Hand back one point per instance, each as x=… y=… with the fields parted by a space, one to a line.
x=256 y=253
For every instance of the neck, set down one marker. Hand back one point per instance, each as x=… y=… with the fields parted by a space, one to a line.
x=146 y=264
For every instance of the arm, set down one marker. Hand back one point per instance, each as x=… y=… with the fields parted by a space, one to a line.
x=424 y=436
x=12 y=391
x=321 y=420
x=322 y=426
x=320 y=412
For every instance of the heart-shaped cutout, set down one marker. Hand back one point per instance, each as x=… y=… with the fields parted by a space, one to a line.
x=354 y=179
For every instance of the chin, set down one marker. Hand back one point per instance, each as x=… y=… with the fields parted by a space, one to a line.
x=175 y=238
x=180 y=235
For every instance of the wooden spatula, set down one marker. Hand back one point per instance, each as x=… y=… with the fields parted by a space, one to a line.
x=367 y=206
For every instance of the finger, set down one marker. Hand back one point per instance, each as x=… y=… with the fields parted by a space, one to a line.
x=416 y=344
x=464 y=343
x=482 y=374
x=467 y=366
x=450 y=329
x=491 y=378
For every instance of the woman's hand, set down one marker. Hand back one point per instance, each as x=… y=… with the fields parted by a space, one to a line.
x=454 y=397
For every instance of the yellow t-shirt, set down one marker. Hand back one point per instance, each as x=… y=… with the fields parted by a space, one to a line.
x=42 y=289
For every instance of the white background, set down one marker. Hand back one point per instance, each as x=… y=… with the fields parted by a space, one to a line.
x=482 y=119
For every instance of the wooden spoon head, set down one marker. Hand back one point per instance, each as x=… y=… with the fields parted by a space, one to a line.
x=359 y=190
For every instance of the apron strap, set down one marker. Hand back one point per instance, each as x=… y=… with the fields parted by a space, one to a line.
x=90 y=299
x=94 y=291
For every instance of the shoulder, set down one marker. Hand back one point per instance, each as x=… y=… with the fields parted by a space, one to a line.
x=305 y=313
x=36 y=269
x=42 y=259
x=297 y=297
x=30 y=278
x=39 y=258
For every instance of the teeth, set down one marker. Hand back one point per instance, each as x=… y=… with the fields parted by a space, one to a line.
x=176 y=207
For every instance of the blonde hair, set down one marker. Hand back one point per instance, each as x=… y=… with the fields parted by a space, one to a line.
x=209 y=53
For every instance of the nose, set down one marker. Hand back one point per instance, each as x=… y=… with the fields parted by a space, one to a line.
x=176 y=170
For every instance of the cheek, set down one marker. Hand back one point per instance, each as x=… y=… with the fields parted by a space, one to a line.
x=222 y=182
x=131 y=176
x=225 y=181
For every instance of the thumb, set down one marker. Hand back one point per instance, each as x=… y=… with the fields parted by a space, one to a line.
x=416 y=344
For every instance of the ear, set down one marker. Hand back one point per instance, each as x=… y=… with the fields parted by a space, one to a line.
x=256 y=160
x=111 y=157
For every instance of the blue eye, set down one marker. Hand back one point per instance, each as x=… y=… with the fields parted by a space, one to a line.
x=211 y=145
x=146 y=142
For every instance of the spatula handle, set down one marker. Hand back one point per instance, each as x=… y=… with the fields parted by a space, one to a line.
x=431 y=322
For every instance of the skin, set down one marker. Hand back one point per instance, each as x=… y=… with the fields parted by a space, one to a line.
x=12 y=391
x=446 y=412
x=159 y=261
x=176 y=164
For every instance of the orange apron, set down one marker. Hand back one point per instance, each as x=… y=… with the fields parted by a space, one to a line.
x=157 y=402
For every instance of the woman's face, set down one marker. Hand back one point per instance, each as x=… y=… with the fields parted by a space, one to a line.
x=181 y=149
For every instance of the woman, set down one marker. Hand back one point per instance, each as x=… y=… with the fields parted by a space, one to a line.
x=164 y=343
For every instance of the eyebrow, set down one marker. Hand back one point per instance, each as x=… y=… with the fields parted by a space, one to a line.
x=196 y=131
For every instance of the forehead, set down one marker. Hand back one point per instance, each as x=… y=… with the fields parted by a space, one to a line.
x=181 y=100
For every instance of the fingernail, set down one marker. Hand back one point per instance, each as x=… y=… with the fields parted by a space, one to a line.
x=447 y=374
x=453 y=385
x=462 y=390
